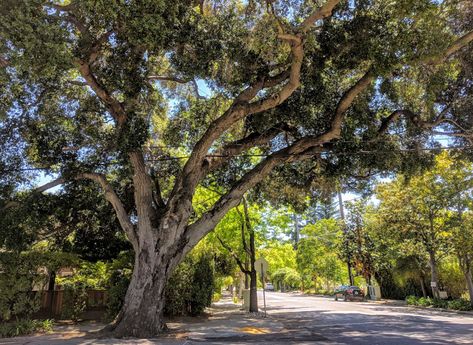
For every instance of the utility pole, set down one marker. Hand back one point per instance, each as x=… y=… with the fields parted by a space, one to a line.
x=342 y=217
x=297 y=230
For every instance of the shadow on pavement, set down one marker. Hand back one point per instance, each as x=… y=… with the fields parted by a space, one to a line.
x=360 y=328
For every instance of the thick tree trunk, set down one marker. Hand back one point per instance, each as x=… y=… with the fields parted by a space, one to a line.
x=465 y=264
x=51 y=286
x=433 y=274
x=253 y=292
x=247 y=280
x=142 y=314
x=422 y=285
x=252 y=252
x=469 y=283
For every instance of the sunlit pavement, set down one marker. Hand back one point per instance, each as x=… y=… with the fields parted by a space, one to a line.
x=293 y=319
x=368 y=322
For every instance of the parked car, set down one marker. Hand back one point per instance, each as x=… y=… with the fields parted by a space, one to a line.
x=269 y=287
x=349 y=293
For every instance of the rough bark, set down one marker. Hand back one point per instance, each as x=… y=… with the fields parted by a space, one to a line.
x=422 y=285
x=469 y=283
x=252 y=255
x=465 y=265
x=433 y=273
x=142 y=313
x=253 y=291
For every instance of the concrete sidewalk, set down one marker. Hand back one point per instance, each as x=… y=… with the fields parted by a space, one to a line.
x=224 y=322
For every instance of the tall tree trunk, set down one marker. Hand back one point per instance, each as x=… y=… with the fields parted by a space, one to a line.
x=469 y=283
x=142 y=313
x=433 y=274
x=465 y=264
x=51 y=286
x=422 y=284
x=296 y=230
x=253 y=292
x=247 y=278
x=253 y=274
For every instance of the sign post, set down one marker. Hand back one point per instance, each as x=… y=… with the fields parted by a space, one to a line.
x=261 y=266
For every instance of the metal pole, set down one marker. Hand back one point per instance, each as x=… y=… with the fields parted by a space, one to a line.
x=264 y=295
x=342 y=216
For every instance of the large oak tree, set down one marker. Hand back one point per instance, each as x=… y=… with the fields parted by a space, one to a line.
x=113 y=91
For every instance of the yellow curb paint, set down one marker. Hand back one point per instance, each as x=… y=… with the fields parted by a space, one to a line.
x=254 y=330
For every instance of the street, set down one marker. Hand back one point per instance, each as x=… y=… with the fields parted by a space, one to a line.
x=292 y=319
x=368 y=322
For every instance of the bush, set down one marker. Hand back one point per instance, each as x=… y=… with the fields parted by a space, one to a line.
x=188 y=291
x=119 y=282
x=424 y=302
x=121 y=270
x=24 y=327
x=460 y=304
x=190 y=288
x=217 y=296
x=412 y=300
x=74 y=301
x=456 y=304
x=439 y=303
x=19 y=274
x=202 y=285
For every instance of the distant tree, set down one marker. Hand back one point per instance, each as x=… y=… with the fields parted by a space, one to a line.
x=317 y=253
x=236 y=233
x=359 y=244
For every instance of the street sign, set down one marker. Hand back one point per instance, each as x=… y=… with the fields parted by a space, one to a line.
x=261 y=266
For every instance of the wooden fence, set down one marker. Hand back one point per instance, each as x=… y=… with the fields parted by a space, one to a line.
x=52 y=304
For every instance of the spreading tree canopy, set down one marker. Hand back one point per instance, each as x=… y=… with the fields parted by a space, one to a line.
x=152 y=99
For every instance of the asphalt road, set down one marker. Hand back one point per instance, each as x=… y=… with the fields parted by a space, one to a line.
x=367 y=322
x=293 y=319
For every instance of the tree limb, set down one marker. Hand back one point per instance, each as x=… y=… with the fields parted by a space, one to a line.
x=452 y=49
x=117 y=204
x=178 y=80
x=236 y=147
x=143 y=191
x=235 y=256
x=115 y=107
x=242 y=231
x=110 y=196
x=321 y=13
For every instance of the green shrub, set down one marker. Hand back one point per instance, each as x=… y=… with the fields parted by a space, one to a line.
x=19 y=274
x=190 y=289
x=119 y=281
x=412 y=300
x=24 y=327
x=460 y=304
x=439 y=303
x=424 y=302
x=74 y=301
x=217 y=296
x=202 y=285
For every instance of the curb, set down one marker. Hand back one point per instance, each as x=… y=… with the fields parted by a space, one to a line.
x=462 y=312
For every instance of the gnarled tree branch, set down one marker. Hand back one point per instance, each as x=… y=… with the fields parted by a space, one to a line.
x=117 y=204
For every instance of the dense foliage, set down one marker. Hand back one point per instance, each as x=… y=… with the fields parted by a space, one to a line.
x=298 y=93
